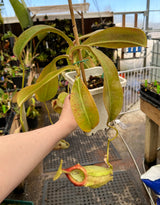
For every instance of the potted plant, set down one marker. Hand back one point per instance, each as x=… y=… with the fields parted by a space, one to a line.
x=151 y=91
x=3 y=109
x=11 y=72
x=47 y=84
x=5 y=102
x=6 y=113
x=15 y=75
x=83 y=105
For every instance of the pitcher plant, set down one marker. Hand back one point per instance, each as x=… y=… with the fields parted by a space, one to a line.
x=82 y=103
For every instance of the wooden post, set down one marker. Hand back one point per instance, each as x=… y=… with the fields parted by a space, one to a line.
x=123 y=20
x=135 y=20
x=123 y=25
x=151 y=141
x=151 y=132
x=77 y=39
x=152 y=112
x=135 y=25
x=82 y=22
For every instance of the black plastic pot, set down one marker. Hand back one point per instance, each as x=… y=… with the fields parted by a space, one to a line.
x=17 y=81
x=6 y=123
x=32 y=123
x=9 y=120
x=150 y=96
x=2 y=123
x=14 y=202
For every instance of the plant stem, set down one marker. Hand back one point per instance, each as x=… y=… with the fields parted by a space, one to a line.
x=21 y=118
x=106 y=159
x=77 y=40
x=23 y=67
x=48 y=113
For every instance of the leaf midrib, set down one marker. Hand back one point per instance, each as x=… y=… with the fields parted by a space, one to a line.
x=85 y=111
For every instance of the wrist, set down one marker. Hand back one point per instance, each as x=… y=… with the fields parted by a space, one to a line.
x=67 y=126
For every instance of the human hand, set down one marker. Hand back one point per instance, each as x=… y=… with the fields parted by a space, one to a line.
x=67 y=116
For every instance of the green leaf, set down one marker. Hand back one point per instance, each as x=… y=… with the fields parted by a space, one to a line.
x=83 y=106
x=112 y=91
x=28 y=91
x=22 y=13
x=89 y=34
x=1 y=92
x=1 y=18
x=117 y=37
x=30 y=33
x=41 y=36
x=49 y=90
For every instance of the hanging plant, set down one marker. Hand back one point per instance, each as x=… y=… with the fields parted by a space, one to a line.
x=82 y=103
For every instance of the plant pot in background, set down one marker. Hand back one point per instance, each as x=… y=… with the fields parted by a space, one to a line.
x=9 y=121
x=97 y=94
x=150 y=96
x=2 y=123
x=6 y=122
x=18 y=202
x=18 y=81
x=32 y=123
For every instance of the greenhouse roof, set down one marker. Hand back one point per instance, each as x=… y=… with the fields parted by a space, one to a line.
x=58 y=8
x=60 y=12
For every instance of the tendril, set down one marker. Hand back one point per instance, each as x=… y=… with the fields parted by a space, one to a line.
x=106 y=157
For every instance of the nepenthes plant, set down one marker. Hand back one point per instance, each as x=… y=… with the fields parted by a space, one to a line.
x=83 y=106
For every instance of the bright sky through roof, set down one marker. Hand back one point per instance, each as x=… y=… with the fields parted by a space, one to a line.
x=96 y=6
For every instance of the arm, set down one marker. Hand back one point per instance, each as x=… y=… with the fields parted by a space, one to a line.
x=21 y=153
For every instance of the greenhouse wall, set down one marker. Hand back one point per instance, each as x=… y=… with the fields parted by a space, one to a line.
x=156 y=53
x=88 y=22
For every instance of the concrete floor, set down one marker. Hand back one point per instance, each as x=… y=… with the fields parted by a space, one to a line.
x=132 y=131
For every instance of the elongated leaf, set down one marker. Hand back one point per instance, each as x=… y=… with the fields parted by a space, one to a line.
x=30 y=33
x=83 y=106
x=28 y=91
x=22 y=13
x=117 y=37
x=49 y=90
x=1 y=18
x=89 y=34
x=41 y=36
x=112 y=90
